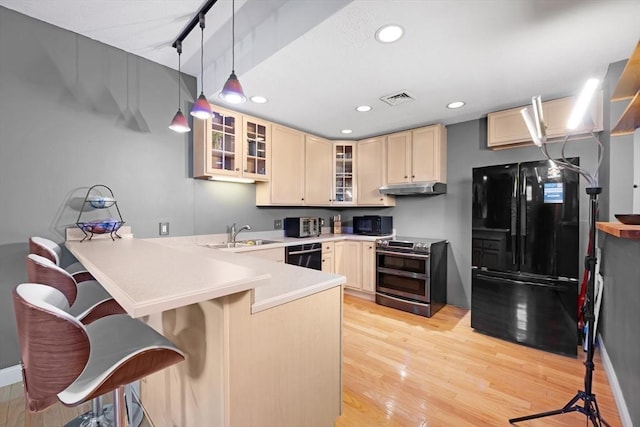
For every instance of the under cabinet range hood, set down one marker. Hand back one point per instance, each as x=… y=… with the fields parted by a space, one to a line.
x=426 y=188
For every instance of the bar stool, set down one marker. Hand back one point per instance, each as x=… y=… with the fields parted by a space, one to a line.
x=52 y=251
x=88 y=300
x=67 y=361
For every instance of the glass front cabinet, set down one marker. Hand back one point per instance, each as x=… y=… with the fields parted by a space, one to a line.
x=232 y=145
x=344 y=161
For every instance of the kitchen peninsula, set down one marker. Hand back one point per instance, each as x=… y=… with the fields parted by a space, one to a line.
x=262 y=339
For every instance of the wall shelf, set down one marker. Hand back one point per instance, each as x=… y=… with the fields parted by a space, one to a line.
x=629 y=87
x=620 y=230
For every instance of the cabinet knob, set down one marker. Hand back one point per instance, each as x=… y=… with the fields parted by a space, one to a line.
x=302 y=198
x=406 y=176
x=635 y=185
x=237 y=169
x=246 y=170
x=413 y=176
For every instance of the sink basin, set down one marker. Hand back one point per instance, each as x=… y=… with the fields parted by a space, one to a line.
x=241 y=243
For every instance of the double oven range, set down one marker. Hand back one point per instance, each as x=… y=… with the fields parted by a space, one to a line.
x=411 y=274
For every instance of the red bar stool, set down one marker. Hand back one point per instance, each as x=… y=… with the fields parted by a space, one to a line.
x=67 y=361
x=52 y=251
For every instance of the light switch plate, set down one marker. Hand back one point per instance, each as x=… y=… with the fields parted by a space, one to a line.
x=277 y=224
x=164 y=229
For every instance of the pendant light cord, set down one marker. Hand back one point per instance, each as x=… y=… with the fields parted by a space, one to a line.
x=179 y=49
x=201 y=52
x=233 y=36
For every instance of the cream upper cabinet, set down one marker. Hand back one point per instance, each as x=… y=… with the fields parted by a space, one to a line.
x=318 y=174
x=231 y=145
x=369 y=267
x=287 y=160
x=348 y=262
x=417 y=155
x=399 y=157
x=371 y=172
x=344 y=178
x=506 y=129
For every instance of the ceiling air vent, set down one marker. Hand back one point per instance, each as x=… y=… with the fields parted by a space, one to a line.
x=398 y=98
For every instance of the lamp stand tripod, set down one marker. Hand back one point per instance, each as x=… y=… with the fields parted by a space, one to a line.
x=590 y=406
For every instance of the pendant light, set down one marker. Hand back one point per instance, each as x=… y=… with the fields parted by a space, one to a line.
x=232 y=91
x=201 y=108
x=179 y=123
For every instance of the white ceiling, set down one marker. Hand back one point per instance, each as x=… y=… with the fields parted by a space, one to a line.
x=316 y=60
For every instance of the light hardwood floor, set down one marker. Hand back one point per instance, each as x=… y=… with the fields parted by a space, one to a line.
x=405 y=370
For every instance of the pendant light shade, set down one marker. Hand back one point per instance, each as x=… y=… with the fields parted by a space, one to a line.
x=179 y=123
x=232 y=91
x=201 y=108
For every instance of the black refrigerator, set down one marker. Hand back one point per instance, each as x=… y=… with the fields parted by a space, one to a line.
x=525 y=237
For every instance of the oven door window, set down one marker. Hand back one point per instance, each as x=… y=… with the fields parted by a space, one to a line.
x=408 y=286
x=404 y=263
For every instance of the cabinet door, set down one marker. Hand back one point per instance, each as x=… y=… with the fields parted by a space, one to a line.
x=348 y=262
x=428 y=154
x=318 y=175
x=371 y=172
x=328 y=263
x=257 y=137
x=368 y=267
x=287 y=166
x=216 y=147
x=398 y=157
x=344 y=162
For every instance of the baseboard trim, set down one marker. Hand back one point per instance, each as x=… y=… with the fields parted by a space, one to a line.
x=10 y=375
x=623 y=411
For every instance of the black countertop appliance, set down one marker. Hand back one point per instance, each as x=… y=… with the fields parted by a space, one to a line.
x=373 y=225
x=525 y=234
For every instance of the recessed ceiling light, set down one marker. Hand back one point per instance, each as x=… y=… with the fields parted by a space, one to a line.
x=346 y=131
x=363 y=108
x=259 y=99
x=389 y=33
x=455 y=104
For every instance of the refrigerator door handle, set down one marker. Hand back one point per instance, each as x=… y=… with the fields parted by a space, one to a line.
x=515 y=281
x=523 y=220
x=514 y=220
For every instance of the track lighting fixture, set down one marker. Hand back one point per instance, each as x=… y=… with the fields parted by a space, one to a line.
x=179 y=122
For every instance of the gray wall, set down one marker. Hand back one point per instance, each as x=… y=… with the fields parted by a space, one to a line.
x=74 y=113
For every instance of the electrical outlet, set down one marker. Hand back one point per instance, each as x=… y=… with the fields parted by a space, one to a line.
x=277 y=224
x=164 y=228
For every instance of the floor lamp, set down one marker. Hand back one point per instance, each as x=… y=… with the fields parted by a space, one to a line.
x=584 y=401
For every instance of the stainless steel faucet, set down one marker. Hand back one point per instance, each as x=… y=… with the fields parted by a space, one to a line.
x=233 y=233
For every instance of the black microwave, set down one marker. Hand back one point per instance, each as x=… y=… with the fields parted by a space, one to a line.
x=373 y=225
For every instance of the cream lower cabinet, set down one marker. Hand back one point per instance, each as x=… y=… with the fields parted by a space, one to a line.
x=356 y=261
x=277 y=367
x=417 y=155
x=328 y=259
x=371 y=172
x=369 y=267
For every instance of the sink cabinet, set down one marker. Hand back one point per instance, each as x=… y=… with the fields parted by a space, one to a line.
x=231 y=145
x=417 y=155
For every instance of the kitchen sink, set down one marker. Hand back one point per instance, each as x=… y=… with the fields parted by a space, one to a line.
x=241 y=243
